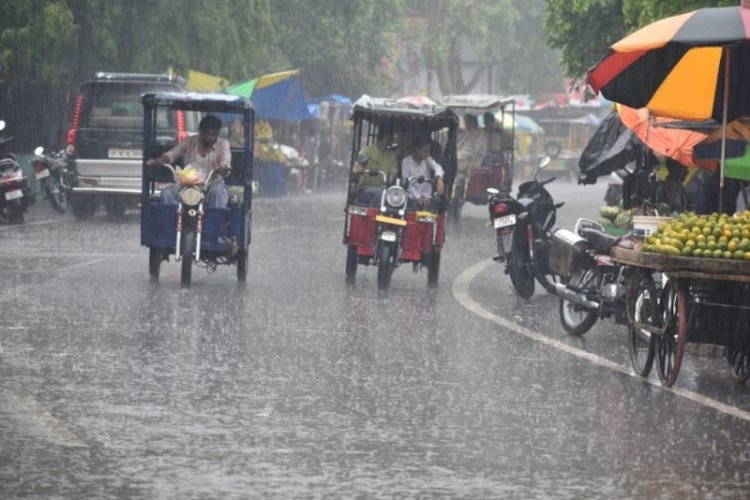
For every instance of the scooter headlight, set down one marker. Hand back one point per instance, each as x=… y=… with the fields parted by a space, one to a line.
x=395 y=196
x=191 y=195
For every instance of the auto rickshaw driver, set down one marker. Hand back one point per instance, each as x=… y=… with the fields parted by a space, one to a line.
x=379 y=157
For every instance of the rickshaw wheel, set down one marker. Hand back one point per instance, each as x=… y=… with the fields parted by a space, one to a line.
x=188 y=245
x=643 y=307
x=670 y=346
x=518 y=266
x=242 y=259
x=385 y=267
x=738 y=357
x=154 y=263
x=351 y=261
x=433 y=269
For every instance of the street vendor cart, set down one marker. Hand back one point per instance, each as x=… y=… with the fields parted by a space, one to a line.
x=674 y=300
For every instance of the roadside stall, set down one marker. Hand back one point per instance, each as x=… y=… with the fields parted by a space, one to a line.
x=278 y=99
x=694 y=271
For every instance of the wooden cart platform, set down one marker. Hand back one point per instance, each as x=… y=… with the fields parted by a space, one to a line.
x=702 y=300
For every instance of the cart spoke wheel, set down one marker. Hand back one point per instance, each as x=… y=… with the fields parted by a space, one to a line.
x=670 y=347
x=643 y=307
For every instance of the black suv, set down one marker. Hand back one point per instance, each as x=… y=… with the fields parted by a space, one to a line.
x=106 y=136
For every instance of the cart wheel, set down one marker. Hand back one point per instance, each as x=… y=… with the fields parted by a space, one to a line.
x=433 y=270
x=643 y=307
x=670 y=347
x=738 y=357
x=154 y=263
x=188 y=246
x=242 y=258
x=351 y=262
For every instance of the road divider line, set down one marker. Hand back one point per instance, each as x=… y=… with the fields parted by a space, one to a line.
x=462 y=295
x=62 y=435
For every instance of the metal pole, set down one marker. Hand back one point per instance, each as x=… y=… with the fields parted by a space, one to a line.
x=724 y=111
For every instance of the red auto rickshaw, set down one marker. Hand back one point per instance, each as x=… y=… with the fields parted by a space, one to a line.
x=385 y=230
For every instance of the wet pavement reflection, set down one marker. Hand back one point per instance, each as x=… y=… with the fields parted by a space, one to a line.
x=300 y=385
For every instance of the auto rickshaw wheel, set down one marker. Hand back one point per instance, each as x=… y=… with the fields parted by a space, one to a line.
x=433 y=269
x=242 y=259
x=154 y=263
x=188 y=246
x=385 y=267
x=83 y=207
x=351 y=261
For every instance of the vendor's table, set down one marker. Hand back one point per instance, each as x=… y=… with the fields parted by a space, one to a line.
x=699 y=300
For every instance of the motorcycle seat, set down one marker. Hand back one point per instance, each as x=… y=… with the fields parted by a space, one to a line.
x=599 y=240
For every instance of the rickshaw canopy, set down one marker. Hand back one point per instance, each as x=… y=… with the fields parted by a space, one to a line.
x=197 y=101
x=379 y=109
x=476 y=101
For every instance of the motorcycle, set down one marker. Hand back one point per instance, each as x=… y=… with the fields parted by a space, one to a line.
x=15 y=189
x=54 y=176
x=593 y=286
x=523 y=230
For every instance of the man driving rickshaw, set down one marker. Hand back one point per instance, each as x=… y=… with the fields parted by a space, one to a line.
x=383 y=228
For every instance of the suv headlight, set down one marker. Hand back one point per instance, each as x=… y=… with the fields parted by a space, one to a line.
x=395 y=196
x=191 y=195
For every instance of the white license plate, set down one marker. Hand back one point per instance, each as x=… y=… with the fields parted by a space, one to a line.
x=505 y=221
x=42 y=174
x=132 y=154
x=388 y=236
x=12 y=195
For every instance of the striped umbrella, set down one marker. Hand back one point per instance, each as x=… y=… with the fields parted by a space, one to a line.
x=693 y=66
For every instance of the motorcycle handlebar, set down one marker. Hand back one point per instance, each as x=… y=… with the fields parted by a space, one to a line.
x=544 y=183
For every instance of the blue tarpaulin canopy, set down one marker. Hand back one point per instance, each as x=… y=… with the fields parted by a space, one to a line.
x=283 y=100
x=313 y=105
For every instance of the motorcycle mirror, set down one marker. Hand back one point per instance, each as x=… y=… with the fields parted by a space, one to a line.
x=493 y=191
x=543 y=162
x=38 y=151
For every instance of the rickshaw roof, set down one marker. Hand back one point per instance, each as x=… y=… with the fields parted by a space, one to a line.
x=475 y=101
x=197 y=101
x=380 y=108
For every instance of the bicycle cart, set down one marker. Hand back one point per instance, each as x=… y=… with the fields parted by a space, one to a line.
x=674 y=300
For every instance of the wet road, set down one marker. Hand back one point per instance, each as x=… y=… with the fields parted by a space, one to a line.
x=298 y=385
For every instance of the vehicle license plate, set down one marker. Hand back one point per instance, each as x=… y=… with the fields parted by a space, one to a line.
x=42 y=174
x=132 y=154
x=12 y=195
x=505 y=221
x=388 y=236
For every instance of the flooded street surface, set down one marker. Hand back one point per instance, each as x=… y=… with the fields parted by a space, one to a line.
x=299 y=385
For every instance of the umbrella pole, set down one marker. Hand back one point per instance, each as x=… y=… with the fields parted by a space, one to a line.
x=725 y=106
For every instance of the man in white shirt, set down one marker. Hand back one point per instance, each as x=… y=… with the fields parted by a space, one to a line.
x=421 y=164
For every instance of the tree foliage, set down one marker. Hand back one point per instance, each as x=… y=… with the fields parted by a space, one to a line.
x=584 y=29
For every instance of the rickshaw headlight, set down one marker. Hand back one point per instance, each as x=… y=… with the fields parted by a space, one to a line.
x=395 y=196
x=191 y=195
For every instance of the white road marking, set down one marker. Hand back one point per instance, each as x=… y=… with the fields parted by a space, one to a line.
x=35 y=223
x=461 y=294
x=62 y=435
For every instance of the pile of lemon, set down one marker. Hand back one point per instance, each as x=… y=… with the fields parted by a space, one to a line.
x=709 y=236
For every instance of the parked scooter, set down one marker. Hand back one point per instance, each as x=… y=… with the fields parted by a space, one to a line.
x=523 y=230
x=593 y=286
x=15 y=189
x=54 y=176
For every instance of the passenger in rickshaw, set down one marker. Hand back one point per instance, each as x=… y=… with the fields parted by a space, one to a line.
x=421 y=164
x=470 y=149
x=379 y=157
x=206 y=151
